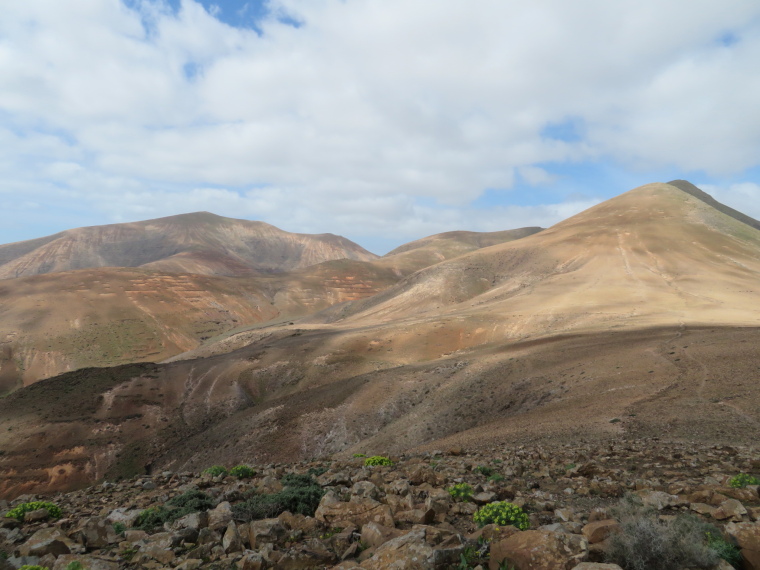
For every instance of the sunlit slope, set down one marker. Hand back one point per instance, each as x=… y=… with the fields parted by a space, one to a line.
x=53 y=323
x=188 y=243
x=654 y=255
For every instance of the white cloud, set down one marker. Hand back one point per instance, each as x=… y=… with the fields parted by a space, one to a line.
x=742 y=196
x=369 y=109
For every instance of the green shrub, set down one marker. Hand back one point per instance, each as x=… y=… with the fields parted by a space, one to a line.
x=484 y=470
x=742 y=480
x=647 y=543
x=242 y=472
x=189 y=502
x=216 y=470
x=30 y=567
x=23 y=508
x=496 y=478
x=301 y=495
x=724 y=549
x=317 y=471
x=75 y=565
x=119 y=528
x=377 y=460
x=501 y=513
x=460 y=492
x=360 y=455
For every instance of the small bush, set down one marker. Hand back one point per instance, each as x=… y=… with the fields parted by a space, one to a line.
x=725 y=550
x=484 y=470
x=19 y=512
x=742 y=480
x=496 y=478
x=300 y=495
x=75 y=565
x=461 y=492
x=317 y=471
x=377 y=460
x=502 y=514
x=242 y=472
x=31 y=567
x=119 y=528
x=189 y=502
x=360 y=455
x=647 y=543
x=216 y=470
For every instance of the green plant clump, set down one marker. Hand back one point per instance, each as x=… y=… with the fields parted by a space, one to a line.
x=301 y=495
x=484 y=470
x=496 y=478
x=377 y=460
x=742 y=480
x=19 y=512
x=360 y=455
x=461 y=492
x=75 y=565
x=189 y=502
x=242 y=472
x=31 y=567
x=502 y=513
x=724 y=549
x=216 y=470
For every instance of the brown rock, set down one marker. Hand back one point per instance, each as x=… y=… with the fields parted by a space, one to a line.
x=97 y=532
x=87 y=562
x=251 y=561
x=157 y=552
x=416 y=516
x=231 y=541
x=374 y=534
x=599 y=530
x=539 y=550
x=47 y=541
x=746 y=535
x=357 y=511
x=422 y=548
x=596 y=566
x=36 y=516
x=265 y=531
x=730 y=509
x=220 y=517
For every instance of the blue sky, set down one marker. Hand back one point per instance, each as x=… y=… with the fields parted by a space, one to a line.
x=381 y=121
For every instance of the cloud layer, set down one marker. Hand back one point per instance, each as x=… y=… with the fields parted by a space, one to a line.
x=379 y=120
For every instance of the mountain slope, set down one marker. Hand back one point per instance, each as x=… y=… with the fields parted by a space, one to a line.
x=200 y=243
x=651 y=256
x=430 y=250
x=637 y=317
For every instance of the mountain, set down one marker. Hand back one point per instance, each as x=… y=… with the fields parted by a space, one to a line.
x=636 y=318
x=201 y=243
x=654 y=255
x=430 y=250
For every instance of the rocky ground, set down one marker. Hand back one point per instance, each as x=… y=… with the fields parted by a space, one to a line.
x=400 y=516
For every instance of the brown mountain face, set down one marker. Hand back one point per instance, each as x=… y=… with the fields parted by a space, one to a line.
x=424 y=252
x=201 y=243
x=638 y=317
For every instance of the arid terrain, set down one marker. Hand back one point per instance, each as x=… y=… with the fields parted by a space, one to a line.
x=637 y=318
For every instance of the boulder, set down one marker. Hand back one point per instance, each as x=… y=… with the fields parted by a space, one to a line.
x=374 y=534
x=422 y=548
x=358 y=511
x=87 y=562
x=231 y=541
x=265 y=531
x=539 y=550
x=730 y=509
x=598 y=531
x=220 y=517
x=47 y=541
x=96 y=532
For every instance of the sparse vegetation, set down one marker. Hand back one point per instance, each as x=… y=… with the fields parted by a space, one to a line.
x=242 y=472
x=484 y=470
x=502 y=513
x=119 y=528
x=189 y=502
x=742 y=480
x=648 y=543
x=360 y=455
x=460 y=492
x=301 y=495
x=33 y=567
x=18 y=513
x=496 y=478
x=377 y=460
x=216 y=471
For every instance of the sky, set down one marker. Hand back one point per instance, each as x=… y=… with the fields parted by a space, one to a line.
x=380 y=120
